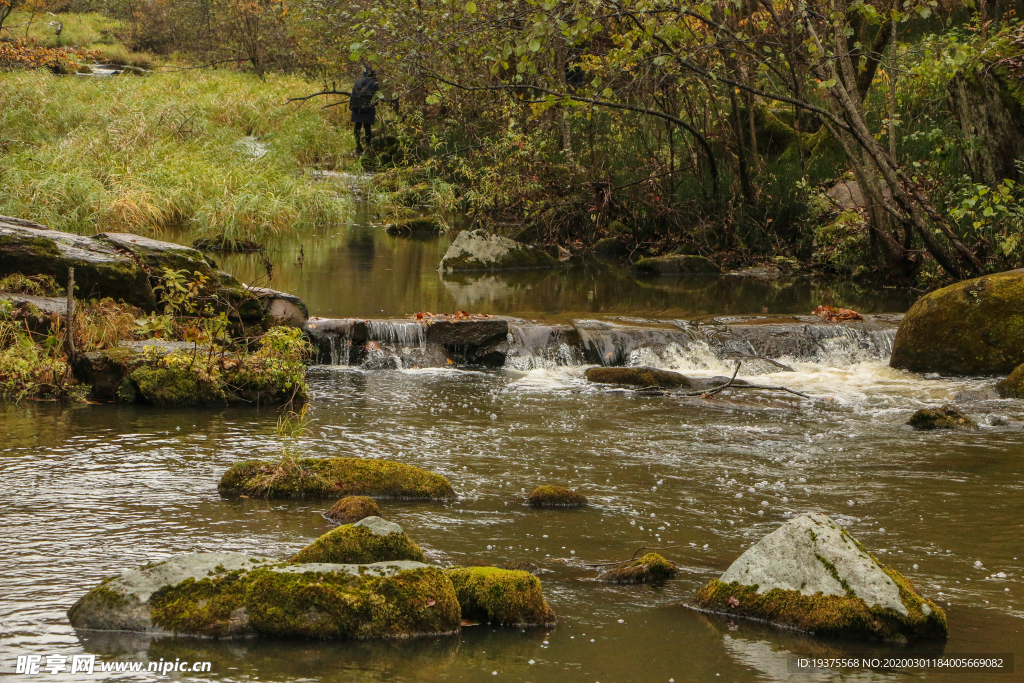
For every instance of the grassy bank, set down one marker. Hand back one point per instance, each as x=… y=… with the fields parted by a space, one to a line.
x=171 y=151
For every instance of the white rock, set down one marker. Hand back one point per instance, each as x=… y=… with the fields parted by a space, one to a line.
x=790 y=558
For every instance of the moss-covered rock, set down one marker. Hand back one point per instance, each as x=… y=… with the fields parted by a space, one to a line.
x=946 y=417
x=224 y=595
x=481 y=250
x=611 y=246
x=408 y=225
x=500 y=596
x=650 y=568
x=1012 y=386
x=351 y=509
x=371 y=539
x=677 y=264
x=555 y=496
x=975 y=327
x=811 y=575
x=332 y=477
x=639 y=377
x=174 y=387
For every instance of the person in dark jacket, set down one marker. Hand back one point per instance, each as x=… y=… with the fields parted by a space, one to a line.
x=363 y=104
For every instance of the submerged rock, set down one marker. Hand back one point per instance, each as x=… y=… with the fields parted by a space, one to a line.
x=639 y=377
x=810 y=574
x=1012 y=386
x=974 y=327
x=409 y=225
x=224 y=595
x=946 y=417
x=371 y=539
x=555 y=496
x=678 y=264
x=481 y=250
x=502 y=597
x=352 y=509
x=650 y=568
x=332 y=477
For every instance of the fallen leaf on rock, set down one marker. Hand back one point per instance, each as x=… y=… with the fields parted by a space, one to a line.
x=834 y=315
x=733 y=602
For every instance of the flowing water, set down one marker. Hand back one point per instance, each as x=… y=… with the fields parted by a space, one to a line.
x=89 y=491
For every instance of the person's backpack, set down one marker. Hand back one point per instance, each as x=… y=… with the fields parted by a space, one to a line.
x=362 y=94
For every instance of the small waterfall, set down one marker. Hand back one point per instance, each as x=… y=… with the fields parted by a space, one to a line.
x=532 y=347
x=333 y=339
x=609 y=344
x=400 y=332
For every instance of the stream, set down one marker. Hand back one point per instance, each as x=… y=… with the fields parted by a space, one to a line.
x=89 y=491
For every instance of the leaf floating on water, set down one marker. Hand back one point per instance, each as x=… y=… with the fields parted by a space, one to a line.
x=733 y=602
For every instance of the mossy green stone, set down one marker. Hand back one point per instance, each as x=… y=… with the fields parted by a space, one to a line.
x=352 y=509
x=1012 y=386
x=555 y=496
x=174 y=387
x=501 y=596
x=650 y=568
x=829 y=615
x=317 y=605
x=349 y=544
x=333 y=477
x=975 y=327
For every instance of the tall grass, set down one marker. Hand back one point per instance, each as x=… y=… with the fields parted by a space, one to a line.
x=166 y=152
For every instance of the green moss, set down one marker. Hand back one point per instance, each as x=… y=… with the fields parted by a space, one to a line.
x=974 y=327
x=352 y=509
x=357 y=545
x=835 y=574
x=314 y=605
x=639 y=377
x=650 y=568
x=331 y=477
x=555 y=496
x=1012 y=386
x=946 y=417
x=842 y=245
x=175 y=387
x=828 y=615
x=500 y=596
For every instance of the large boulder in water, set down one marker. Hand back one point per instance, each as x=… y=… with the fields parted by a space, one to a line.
x=639 y=377
x=481 y=250
x=333 y=477
x=371 y=539
x=975 y=327
x=811 y=575
x=224 y=595
x=1012 y=386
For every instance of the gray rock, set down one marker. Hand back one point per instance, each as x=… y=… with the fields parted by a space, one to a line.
x=810 y=574
x=122 y=603
x=379 y=526
x=790 y=558
x=281 y=308
x=481 y=250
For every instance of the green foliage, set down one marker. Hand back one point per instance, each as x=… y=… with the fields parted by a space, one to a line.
x=32 y=370
x=35 y=285
x=995 y=216
x=162 y=153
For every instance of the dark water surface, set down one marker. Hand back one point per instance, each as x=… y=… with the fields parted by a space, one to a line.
x=89 y=491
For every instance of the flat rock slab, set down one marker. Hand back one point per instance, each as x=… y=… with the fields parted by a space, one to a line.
x=226 y=595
